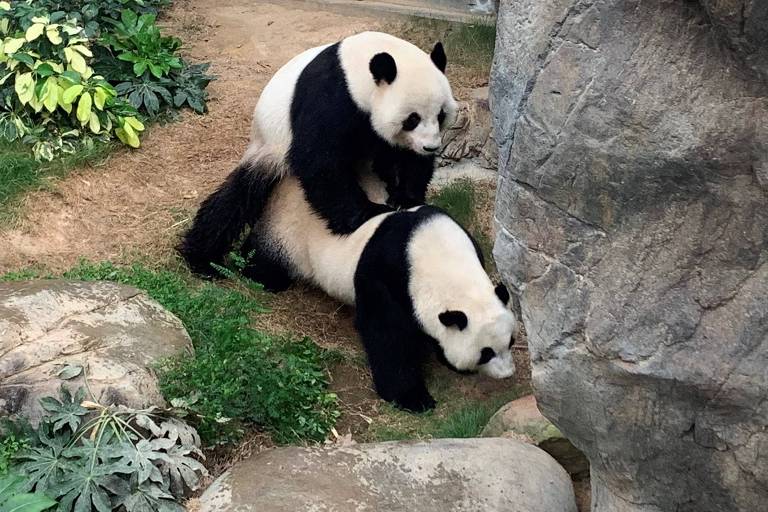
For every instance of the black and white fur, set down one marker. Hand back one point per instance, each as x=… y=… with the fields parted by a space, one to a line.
x=416 y=279
x=369 y=101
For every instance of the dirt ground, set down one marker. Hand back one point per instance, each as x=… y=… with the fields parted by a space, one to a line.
x=134 y=205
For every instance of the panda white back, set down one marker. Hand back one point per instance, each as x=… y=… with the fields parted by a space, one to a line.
x=302 y=239
x=271 y=127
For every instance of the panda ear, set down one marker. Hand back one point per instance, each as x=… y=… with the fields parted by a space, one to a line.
x=453 y=319
x=383 y=67
x=438 y=56
x=502 y=293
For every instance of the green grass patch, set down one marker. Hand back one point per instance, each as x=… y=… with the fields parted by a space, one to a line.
x=456 y=416
x=21 y=173
x=238 y=375
x=459 y=199
x=468 y=45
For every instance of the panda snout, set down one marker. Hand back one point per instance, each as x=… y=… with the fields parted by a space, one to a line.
x=430 y=149
x=500 y=367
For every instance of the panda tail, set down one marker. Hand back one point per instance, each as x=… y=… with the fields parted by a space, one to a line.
x=223 y=216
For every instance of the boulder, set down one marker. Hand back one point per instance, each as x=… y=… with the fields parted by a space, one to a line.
x=632 y=221
x=443 y=475
x=521 y=419
x=109 y=333
x=471 y=136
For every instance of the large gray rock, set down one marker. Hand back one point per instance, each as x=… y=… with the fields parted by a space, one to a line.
x=113 y=332
x=446 y=475
x=632 y=215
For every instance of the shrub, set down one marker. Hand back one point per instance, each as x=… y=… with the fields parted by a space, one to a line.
x=238 y=375
x=70 y=73
x=92 y=457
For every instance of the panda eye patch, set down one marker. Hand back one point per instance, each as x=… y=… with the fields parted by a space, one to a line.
x=411 y=122
x=486 y=355
x=441 y=117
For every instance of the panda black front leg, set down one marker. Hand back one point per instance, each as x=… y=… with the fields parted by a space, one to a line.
x=395 y=351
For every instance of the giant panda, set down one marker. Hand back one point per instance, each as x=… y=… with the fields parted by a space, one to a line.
x=371 y=101
x=417 y=282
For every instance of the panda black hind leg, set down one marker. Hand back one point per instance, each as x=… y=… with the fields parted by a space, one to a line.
x=396 y=353
x=264 y=267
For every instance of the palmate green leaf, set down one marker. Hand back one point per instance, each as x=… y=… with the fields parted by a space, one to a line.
x=87 y=486
x=147 y=497
x=88 y=451
x=66 y=412
x=141 y=458
x=182 y=470
x=44 y=467
x=170 y=428
x=146 y=94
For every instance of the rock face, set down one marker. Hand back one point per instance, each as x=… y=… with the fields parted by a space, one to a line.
x=113 y=332
x=521 y=419
x=471 y=135
x=447 y=475
x=632 y=214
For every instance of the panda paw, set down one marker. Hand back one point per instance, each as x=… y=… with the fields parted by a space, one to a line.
x=416 y=401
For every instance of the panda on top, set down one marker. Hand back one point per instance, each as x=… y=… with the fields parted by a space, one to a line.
x=417 y=282
x=371 y=101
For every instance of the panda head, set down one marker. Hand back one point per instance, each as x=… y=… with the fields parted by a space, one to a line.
x=412 y=103
x=403 y=89
x=479 y=339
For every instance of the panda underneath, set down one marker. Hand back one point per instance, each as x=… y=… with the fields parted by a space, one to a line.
x=416 y=279
x=371 y=101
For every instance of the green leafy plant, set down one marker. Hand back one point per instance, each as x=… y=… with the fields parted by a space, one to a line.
x=138 y=41
x=94 y=457
x=52 y=92
x=14 y=499
x=10 y=444
x=147 y=68
x=72 y=72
